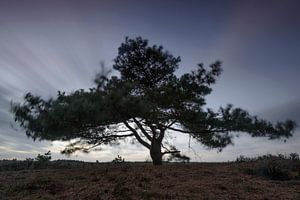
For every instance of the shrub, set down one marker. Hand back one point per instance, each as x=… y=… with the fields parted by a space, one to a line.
x=242 y=158
x=118 y=159
x=294 y=156
x=44 y=158
x=276 y=167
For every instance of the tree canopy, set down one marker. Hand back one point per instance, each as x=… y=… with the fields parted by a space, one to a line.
x=146 y=101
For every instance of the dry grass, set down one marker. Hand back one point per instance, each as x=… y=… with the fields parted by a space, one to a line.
x=144 y=181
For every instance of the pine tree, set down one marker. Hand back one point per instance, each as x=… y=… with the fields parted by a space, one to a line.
x=145 y=102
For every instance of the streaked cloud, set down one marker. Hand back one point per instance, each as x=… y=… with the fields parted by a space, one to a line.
x=58 y=45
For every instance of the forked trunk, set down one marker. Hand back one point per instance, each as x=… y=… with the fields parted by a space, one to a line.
x=155 y=152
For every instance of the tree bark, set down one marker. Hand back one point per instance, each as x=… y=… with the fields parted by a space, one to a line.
x=155 y=152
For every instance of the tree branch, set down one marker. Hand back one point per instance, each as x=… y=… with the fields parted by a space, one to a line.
x=170 y=152
x=137 y=136
x=171 y=124
x=122 y=131
x=142 y=129
x=119 y=136
x=190 y=132
x=105 y=138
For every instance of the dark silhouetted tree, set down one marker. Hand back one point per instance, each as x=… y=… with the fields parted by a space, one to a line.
x=145 y=101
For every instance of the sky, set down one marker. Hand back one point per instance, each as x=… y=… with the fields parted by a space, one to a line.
x=46 y=46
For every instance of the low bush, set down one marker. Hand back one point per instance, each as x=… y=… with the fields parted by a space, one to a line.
x=118 y=159
x=44 y=158
x=276 y=167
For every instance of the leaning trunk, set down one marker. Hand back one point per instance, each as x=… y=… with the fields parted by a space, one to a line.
x=155 y=152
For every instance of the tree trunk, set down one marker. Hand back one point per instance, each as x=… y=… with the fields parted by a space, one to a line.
x=155 y=152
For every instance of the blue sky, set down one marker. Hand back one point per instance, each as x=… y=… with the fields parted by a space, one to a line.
x=46 y=46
